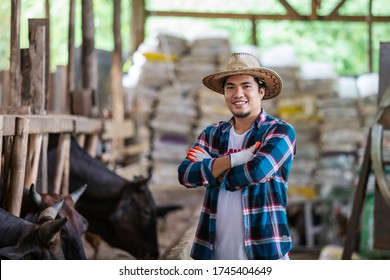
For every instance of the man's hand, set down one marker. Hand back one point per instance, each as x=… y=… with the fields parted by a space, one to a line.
x=197 y=154
x=244 y=156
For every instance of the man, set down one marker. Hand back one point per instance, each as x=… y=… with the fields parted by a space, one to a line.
x=244 y=165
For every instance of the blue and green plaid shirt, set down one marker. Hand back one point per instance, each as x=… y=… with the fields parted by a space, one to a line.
x=263 y=182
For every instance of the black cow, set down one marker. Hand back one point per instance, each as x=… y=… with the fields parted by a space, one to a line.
x=72 y=232
x=21 y=239
x=122 y=212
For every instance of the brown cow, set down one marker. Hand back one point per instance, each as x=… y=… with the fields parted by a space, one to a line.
x=21 y=239
x=72 y=232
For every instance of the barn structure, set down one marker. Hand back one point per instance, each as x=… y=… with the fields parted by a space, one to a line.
x=338 y=196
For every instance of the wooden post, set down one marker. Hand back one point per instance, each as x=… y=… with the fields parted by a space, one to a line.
x=5 y=88
x=33 y=157
x=137 y=24
x=13 y=200
x=82 y=102
x=15 y=53
x=43 y=177
x=6 y=175
x=369 y=22
x=58 y=101
x=358 y=202
x=63 y=149
x=116 y=66
x=1 y=155
x=254 y=31
x=70 y=83
x=25 y=69
x=381 y=208
x=88 y=56
x=38 y=56
x=38 y=92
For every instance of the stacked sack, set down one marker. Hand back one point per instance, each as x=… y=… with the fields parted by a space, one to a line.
x=340 y=137
x=297 y=107
x=153 y=74
x=368 y=88
x=163 y=85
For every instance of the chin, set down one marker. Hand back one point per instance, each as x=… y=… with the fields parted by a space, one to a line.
x=241 y=115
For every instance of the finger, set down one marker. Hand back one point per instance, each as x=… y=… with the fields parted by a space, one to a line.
x=192 y=159
x=195 y=153
x=189 y=154
x=199 y=149
x=257 y=145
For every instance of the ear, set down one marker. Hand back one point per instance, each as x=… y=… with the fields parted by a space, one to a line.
x=262 y=92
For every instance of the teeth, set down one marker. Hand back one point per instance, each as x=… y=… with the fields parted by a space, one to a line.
x=239 y=102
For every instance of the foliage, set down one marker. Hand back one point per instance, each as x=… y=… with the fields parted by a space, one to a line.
x=345 y=44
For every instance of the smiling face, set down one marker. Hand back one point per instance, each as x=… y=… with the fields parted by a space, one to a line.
x=243 y=97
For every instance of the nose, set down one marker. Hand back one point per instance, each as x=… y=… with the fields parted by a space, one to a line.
x=239 y=92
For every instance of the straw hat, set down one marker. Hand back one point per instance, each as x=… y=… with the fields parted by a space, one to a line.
x=246 y=64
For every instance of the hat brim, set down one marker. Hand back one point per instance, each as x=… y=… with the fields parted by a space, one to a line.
x=273 y=82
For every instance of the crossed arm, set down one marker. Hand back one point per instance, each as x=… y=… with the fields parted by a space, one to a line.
x=223 y=163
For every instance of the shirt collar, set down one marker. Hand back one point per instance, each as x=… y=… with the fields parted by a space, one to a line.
x=257 y=123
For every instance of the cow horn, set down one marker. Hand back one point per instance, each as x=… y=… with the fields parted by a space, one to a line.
x=49 y=230
x=77 y=193
x=50 y=212
x=35 y=195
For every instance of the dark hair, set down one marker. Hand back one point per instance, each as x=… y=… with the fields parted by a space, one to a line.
x=259 y=82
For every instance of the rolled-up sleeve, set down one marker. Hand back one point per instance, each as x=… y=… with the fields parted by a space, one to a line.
x=196 y=174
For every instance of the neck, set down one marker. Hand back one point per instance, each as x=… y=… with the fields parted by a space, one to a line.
x=242 y=125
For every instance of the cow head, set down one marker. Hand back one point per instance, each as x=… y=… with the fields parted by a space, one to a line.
x=134 y=220
x=71 y=234
x=21 y=239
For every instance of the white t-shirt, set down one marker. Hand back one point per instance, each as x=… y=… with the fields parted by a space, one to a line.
x=229 y=243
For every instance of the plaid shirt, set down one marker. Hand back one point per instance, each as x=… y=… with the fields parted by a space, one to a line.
x=263 y=182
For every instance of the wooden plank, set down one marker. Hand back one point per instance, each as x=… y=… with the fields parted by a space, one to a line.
x=359 y=18
x=290 y=10
x=118 y=129
x=336 y=9
x=13 y=199
x=40 y=124
x=12 y=110
x=87 y=125
x=54 y=124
